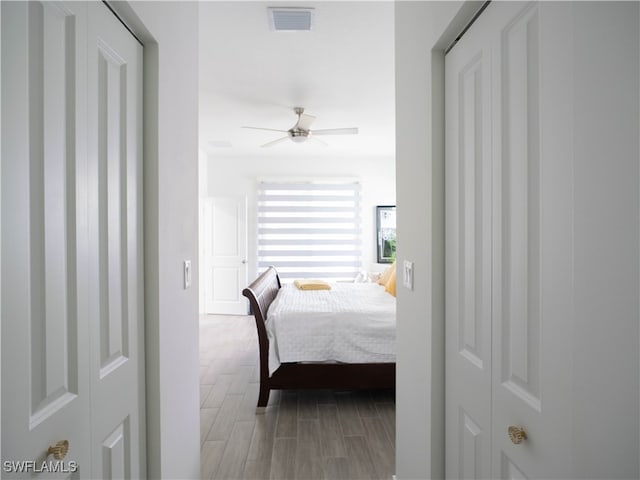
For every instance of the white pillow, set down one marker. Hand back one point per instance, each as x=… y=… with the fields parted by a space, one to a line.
x=362 y=277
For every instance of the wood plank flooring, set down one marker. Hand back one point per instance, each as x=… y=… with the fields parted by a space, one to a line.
x=303 y=435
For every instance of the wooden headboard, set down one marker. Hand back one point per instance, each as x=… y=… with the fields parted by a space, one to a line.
x=261 y=292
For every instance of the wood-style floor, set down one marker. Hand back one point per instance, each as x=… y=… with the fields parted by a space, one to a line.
x=302 y=434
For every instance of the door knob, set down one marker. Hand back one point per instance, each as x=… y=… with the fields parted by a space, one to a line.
x=244 y=262
x=517 y=434
x=59 y=450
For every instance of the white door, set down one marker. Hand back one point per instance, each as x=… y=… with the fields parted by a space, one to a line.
x=45 y=352
x=468 y=258
x=116 y=295
x=509 y=251
x=72 y=321
x=224 y=254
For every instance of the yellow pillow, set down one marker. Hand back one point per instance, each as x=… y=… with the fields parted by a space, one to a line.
x=390 y=286
x=312 y=284
x=387 y=274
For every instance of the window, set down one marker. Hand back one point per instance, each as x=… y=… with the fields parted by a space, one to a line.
x=310 y=229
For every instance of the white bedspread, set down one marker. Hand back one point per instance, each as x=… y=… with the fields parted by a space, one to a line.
x=351 y=323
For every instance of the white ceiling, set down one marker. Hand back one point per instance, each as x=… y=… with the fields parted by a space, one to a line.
x=342 y=72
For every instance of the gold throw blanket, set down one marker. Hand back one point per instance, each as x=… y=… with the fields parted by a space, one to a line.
x=312 y=284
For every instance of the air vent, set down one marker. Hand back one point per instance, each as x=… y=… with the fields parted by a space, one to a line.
x=290 y=19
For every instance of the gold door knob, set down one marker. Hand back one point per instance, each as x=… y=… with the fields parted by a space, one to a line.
x=517 y=434
x=59 y=450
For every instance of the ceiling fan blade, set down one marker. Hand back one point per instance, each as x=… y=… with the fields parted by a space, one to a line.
x=336 y=131
x=318 y=141
x=269 y=129
x=275 y=142
x=305 y=121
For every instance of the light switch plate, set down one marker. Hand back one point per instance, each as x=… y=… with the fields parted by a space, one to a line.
x=187 y=274
x=407 y=275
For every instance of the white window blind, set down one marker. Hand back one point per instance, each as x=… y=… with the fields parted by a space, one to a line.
x=310 y=229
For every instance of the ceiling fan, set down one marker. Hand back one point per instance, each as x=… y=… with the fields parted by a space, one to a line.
x=301 y=131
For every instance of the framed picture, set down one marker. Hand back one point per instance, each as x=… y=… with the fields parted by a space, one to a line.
x=386 y=226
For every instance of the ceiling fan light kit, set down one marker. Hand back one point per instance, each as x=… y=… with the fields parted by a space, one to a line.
x=301 y=131
x=299 y=136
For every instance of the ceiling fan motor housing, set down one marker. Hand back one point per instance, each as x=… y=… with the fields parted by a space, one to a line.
x=298 y=135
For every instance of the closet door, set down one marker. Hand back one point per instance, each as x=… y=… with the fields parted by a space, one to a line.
x=114 y=98
x=72 y=285
x=45 y=348
x=509 y=245
x=468 y=257
x=532 y=284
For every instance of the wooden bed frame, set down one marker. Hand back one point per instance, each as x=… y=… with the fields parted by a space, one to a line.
x=353 y=376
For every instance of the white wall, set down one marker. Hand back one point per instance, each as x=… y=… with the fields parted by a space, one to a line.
x=239 y=177
x=606 y=230
x=607 y=217
x=423 y=29
x=170 y=33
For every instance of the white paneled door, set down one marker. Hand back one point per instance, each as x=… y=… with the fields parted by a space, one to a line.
x=509 y=251
x=115 y=247
x=72 y=309
x=468 y=258
x=224 y=254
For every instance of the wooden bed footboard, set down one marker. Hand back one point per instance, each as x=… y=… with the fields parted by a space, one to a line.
x=353 y=376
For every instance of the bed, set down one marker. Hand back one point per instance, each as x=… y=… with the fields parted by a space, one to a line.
x=377 y=372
